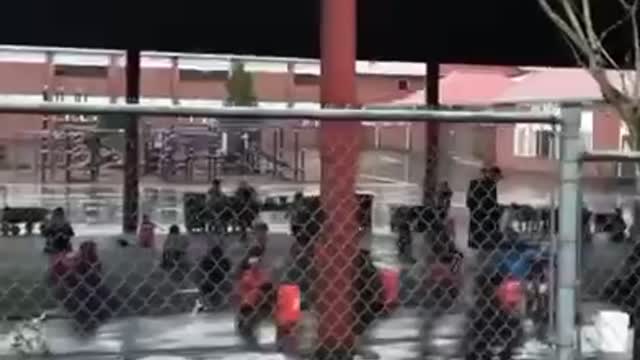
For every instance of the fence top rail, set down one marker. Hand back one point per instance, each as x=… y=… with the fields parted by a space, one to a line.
x=610 y=155
x=344 y=114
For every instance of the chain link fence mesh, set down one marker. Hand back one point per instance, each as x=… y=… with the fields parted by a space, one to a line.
x=608 y=256
x=231 y=249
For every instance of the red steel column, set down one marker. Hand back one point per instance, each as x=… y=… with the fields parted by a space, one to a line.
x=339 y=150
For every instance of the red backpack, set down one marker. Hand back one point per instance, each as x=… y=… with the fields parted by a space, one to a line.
x=63 y=268
x=288 y=302
x=511 y=295
x=391 y=286
x=250 y=286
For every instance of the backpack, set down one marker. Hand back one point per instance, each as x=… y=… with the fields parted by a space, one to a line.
x=251 y=287
x=511 y=294
x=391 y=289
x=288 y=309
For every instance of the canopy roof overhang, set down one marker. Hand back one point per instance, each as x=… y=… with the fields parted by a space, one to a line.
x=499 y=32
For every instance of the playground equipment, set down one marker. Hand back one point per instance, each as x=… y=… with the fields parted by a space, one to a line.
x=74 y=143
x=187 y=149
x=76 y=147
x=202 y=152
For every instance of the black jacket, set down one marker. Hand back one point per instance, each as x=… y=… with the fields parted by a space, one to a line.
x=59 y=236
x=369 y=292
x=484 y=214
x=214 y=273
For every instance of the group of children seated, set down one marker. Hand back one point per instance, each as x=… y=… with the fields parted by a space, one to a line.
x=248 y=287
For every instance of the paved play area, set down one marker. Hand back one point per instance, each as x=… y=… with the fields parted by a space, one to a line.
x=159 y=322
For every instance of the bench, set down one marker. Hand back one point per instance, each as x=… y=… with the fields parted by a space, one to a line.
x=12 y=217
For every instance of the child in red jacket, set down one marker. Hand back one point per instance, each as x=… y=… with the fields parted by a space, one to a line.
x=255 y=296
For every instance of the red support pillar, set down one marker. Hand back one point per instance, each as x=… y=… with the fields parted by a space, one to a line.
x=340 y=143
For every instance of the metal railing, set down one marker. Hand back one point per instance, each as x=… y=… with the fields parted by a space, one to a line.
x=445 y=116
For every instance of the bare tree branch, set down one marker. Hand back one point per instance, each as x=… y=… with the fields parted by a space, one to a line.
x=576 y=24
x=625 y=5
x=613 y=27
x=567 y=29
x=573 y=19
x=636 y=49
x=588 y=24
x=576 y=52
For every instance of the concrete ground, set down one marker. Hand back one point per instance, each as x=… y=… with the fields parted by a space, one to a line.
x=163 y=324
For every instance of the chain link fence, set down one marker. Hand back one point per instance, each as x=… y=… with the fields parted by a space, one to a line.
x=608 y=257
x=255 y=238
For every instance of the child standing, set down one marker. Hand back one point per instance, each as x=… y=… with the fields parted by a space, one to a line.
x=255 y=295
x=174 y=254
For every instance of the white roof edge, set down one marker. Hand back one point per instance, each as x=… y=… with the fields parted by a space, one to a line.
x=366 y=67
x=78 y=51
x=559 y=100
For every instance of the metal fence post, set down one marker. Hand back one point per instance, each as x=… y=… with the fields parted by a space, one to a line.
x=570 y=210
x=131 y=191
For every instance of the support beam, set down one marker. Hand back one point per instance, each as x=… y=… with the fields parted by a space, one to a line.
x=266 y=114
x=432 y=132
x=339 y=153
x=132 y=142
x=570 y=223
x=611 y=156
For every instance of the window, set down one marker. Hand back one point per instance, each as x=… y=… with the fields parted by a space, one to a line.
x=586 y=129
x=403 y=84
x=625 y=169
x=81 y=71
x=198 y=75
x=625 y=137
x=539 y=140
x=305 y=79
x=198 y=120
x=535 y=140
x=309 y=123
x=545 y=143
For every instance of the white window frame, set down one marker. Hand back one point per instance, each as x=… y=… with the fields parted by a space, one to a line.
x=623 y=145
x=624 y=132
x=525 y=142
x=522 y=141
x=586 y=128
x=407 y=136
x=376 y=136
